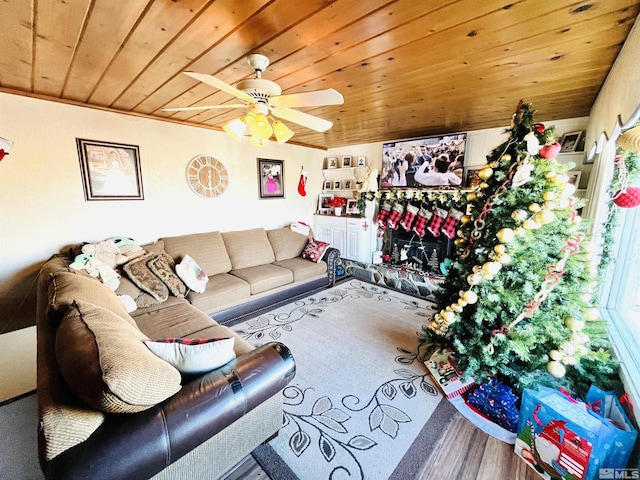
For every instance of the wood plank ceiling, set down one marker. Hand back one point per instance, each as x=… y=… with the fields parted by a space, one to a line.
x=404 y=67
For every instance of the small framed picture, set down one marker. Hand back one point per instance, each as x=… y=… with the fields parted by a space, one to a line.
x=332 y=162
x=574 y=178
x=324 y=199
x=328 y=185
x=570 y=142
x=346 y=161
x=348 y=184
x=352 y=207
x=337 y=185
x=362 y=162
x=324 y=211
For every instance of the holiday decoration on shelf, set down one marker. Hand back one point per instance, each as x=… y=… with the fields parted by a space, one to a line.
x=497 y=402
x=517 y=302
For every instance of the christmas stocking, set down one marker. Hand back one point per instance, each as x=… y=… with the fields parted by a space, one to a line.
x=396 y=214
x=439 y=214
x=409 y=217
x=421 y=221
x=385 y=209
x=451 y=222
x=302 y=183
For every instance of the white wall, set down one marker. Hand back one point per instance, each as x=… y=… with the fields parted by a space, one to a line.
x=42 y=205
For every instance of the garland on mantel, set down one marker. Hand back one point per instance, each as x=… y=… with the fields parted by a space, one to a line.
x=441 y=197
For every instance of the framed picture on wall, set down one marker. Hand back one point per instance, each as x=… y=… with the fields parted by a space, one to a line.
x=352 y=207
x=362 y=162
x=324 y=199
x=574 y=178
x=332 y=162
x=327 y=185
x=570 y=142
x=347 y=184
x=271 y=178
x=110 y=171
x=346 y=161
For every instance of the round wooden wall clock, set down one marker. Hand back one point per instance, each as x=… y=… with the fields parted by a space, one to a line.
x=207 y=176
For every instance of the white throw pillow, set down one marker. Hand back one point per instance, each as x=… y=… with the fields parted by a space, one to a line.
x=192 y=275
x=194 y=355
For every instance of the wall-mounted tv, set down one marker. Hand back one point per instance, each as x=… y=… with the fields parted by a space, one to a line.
x=424 y=162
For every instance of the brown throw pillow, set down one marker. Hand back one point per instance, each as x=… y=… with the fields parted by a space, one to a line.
x=140 y=274
x=106 y=364
x=164 y=267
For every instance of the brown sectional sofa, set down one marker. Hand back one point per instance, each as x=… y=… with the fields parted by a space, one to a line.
x=89 y=353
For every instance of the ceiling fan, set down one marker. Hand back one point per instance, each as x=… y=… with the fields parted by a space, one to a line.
x=264 y=97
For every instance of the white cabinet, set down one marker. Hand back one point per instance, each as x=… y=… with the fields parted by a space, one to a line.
x=351 y=235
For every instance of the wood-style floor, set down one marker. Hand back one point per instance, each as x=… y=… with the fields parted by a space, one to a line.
x=463 y=452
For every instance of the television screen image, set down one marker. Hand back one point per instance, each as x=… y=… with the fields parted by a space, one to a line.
x=424 y=162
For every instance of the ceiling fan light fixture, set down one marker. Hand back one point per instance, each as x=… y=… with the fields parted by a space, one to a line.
x=235 y=128
x=282 y=132
x=260 y=128
x=259 y=142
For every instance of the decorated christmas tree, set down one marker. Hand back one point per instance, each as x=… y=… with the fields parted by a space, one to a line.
x=518 y=304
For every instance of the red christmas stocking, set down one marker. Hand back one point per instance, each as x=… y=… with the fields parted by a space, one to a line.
x=451 y=222
x=302 y=183
x=381 y=220
x=439 y=214
x=421 y=222
x=409 y=217
x=396 y=214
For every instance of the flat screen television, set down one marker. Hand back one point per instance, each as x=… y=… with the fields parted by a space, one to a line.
x=424 y=162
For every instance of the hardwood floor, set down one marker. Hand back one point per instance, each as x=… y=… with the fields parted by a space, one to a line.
x=463 y=452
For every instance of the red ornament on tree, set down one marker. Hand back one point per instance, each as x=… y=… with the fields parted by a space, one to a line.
x=539 y=127
x=550 y=151
x=628 y=198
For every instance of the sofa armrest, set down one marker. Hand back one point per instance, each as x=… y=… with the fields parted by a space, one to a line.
x=142 y=444
x=331 y=256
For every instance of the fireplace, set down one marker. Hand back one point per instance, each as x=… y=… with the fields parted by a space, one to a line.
x=420 y=253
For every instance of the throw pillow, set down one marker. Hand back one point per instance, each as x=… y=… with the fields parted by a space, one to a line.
x=193 y=356
x=191 y=274
x=314 y=250
x=105 y=362
x=164 y=267
x=140 y=274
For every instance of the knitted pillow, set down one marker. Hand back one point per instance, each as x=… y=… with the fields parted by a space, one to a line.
x=314 y=250
x=140 y=274
x=194 y=355
x=104 y=361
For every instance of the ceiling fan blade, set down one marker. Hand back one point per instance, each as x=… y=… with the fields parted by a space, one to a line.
x=220 y=85
x=309 y=99
x=314 y=123
x=207 y=107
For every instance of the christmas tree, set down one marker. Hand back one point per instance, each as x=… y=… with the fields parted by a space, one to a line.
x=518 y=303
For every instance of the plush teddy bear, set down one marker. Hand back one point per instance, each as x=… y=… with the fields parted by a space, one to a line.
x=106 y=251
x=96 y=268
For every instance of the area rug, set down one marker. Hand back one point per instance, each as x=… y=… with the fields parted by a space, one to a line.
x=361 y=394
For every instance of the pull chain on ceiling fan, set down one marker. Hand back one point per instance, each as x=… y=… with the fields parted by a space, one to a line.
x=264 y=98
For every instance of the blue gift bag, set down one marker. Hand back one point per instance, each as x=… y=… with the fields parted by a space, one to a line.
x=561 y=437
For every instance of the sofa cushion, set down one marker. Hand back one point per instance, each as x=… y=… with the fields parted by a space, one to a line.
x=248 y=248
x=315 y=250
x=66 y=287
x=264 y=277
x=139 y=273
x=302 y=269
x=142 y=298
x=222 y=289
x=207 y=249
x=194 y=356
x=286 y=243
x=164 y=268
x=105 y=362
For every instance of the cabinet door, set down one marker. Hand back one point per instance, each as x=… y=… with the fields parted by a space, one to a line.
x=324 y=233
x=353 y=244
x=339 y=239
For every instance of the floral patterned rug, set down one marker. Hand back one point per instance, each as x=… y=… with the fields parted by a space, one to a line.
x=361 y=394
